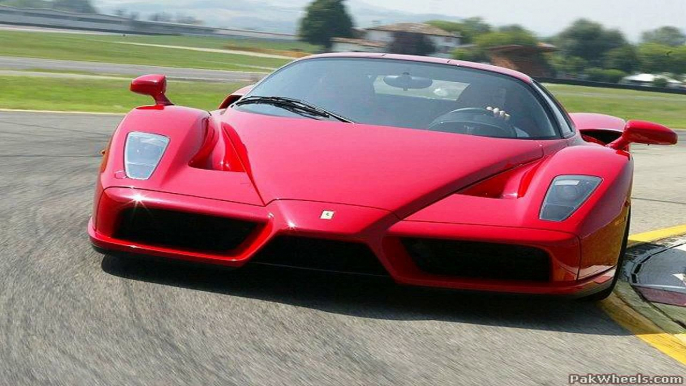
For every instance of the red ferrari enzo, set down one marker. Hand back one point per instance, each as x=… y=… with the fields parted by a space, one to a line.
x=434 y=172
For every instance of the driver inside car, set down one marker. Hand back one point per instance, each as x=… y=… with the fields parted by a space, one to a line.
x=502 y=102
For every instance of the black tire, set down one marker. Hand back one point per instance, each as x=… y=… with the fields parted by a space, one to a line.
x=598 y=296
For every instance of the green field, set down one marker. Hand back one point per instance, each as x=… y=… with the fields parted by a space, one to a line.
x=112 y=95
x=215 y=42
x=100 y=95
x=105 y=48
x=667 y=109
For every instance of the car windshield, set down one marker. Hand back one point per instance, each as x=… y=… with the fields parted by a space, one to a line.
x=407 y=94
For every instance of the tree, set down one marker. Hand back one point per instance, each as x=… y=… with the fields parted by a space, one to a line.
x=471 y=55
x=603 y=75
x=411 y=43
x=658 y=58
x=520 y=37
x=504 y=36
x=469 y=29
x=568 y=65
x=445 y=25
x=588 y=40
x=81 y=6
x=623 y=58
x=476 y=26
x=679 y=60
x=660 y=82
x=655 y=58
x=513 y=28
x=667 y=36
x=324 y=20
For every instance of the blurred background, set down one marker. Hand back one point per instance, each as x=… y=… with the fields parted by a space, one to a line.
x=615 y=47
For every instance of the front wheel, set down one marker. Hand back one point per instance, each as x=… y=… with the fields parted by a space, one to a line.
x=608 y=291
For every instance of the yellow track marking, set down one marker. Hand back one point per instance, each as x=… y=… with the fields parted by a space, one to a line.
x=659 y=234
x=624 y=314
x=672 y=345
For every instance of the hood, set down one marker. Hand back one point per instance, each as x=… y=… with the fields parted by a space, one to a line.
x=395 y=169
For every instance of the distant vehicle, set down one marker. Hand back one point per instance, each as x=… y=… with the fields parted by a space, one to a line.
x=433 y=172
x=649 y=80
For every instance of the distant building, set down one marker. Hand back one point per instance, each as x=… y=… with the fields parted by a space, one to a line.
x=378 y=39
x=526 y=59
x=357 y=45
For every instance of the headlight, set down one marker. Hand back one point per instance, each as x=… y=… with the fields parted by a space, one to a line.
x=565 y=195
x=142 y=153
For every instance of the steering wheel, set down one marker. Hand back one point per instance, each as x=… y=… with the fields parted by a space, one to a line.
x=475 y=121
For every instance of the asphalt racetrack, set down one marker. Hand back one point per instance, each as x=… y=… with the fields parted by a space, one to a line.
x=191 y=74
x=69 y=316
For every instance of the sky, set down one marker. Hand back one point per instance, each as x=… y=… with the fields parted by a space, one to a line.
x=544 y=17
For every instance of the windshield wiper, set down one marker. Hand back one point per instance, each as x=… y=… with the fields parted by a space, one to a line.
x=294 y=105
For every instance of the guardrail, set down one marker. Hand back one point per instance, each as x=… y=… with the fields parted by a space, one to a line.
x=588 y=83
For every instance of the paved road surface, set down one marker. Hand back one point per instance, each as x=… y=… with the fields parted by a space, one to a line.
x=16 y=63
x=215 y=50
x=659 y=194
x=70 y=316
x=9 y=27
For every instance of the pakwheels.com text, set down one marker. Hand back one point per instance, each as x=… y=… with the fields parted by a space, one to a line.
x=614 y=379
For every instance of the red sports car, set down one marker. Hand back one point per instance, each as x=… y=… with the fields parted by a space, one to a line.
x=434 y=172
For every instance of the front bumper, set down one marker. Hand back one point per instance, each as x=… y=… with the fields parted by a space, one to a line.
x=380 y=230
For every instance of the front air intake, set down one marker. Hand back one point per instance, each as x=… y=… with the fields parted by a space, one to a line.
x=469 y=259
x=181 y=230
x=321 y=254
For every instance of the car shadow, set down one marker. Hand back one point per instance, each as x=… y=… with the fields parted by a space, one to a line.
x=370 y=297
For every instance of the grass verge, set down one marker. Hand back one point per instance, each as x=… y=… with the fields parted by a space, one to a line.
x=104 y=48
x=100 y=95
x=218 y=42
x=666 y=109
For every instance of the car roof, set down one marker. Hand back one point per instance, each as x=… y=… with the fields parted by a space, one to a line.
x=427 y=59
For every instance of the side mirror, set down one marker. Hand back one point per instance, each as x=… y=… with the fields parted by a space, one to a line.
x=153 y=85
x=647 y=133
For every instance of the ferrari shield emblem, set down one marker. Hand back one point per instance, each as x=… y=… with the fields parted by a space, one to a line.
x=327 y=215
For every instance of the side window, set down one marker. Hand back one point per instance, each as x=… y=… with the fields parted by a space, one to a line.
x=565 y=124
